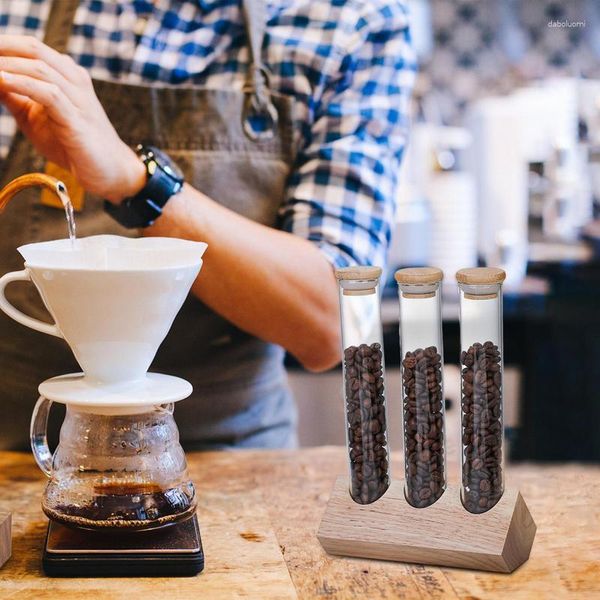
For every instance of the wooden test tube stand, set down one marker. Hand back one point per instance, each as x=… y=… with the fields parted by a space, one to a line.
x=444 y=533
x=5 y=537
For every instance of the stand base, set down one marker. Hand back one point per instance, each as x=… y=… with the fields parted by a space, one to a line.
x=442 y=534
x=5 y=537
x=168 y=552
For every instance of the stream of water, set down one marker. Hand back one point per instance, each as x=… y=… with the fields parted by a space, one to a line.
x=61 y=190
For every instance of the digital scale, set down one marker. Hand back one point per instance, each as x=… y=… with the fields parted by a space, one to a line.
x=168 y=552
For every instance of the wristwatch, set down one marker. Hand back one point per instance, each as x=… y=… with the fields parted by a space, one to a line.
x=164 y=179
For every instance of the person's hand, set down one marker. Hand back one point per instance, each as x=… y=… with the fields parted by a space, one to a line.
x=54 y=103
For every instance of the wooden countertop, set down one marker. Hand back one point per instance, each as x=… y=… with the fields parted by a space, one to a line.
x=259 y=512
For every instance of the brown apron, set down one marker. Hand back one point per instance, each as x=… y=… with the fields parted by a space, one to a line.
x=241 y=397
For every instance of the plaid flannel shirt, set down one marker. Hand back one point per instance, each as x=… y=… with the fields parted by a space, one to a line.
x=347 y=63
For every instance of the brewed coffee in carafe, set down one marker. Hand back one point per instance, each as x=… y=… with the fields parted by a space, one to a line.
x=119 y=471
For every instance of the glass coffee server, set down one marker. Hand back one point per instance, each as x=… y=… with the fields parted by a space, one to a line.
x=481 y=361
x=422 y=384
x=364 y=389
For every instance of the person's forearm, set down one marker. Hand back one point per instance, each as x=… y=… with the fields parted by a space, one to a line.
x=270 y=283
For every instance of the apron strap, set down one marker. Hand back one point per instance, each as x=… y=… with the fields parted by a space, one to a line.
x=259 y=118
x=255 y=18
x=60 y=23
x=260 y=115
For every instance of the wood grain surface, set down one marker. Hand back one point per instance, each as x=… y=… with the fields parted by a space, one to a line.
x=260 y=511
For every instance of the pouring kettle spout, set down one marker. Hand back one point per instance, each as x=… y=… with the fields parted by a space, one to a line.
x=31 y=180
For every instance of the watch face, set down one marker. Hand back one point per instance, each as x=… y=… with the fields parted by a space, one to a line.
x=165 y=163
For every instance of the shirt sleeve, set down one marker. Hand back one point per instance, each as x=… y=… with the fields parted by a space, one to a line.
x=342 y=192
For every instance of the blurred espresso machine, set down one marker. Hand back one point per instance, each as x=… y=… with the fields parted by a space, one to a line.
x=531 y=159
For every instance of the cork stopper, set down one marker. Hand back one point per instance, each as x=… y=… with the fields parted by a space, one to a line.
x=419 y=276
x=358 y=273
x=358 y=281
x=480 y=276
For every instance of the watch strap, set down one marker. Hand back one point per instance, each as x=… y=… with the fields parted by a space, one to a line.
x=134 y=212
x=146 y=206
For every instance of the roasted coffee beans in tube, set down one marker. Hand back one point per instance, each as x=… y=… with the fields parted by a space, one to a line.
x=423 y=426
x=365 y=411
x=481 y=426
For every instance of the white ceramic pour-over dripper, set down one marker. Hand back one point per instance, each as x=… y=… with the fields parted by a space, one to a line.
x=113 y=299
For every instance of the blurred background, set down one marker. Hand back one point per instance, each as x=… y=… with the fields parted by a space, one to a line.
x=502 y=169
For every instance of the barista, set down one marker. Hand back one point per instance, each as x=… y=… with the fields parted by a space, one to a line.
x=273 y=132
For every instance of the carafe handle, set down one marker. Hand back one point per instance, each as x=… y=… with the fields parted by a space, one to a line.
x=38 y=435
x=17 y=315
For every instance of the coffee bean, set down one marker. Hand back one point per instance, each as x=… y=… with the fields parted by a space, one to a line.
x=481 y=405
x=423 y=426
x=425 y=493
x=365 y=412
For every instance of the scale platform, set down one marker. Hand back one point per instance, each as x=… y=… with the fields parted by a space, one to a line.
x=168 y=552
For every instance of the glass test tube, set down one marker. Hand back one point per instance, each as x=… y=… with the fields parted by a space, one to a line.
x=481 y=362
x=421 y=349
x=363 y=372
